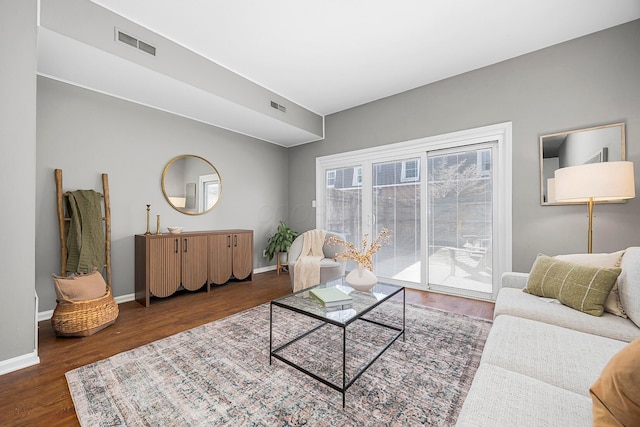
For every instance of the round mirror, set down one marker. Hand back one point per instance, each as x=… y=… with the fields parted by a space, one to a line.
x=191 y=184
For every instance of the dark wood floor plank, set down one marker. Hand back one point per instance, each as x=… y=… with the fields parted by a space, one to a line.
x=39 y=395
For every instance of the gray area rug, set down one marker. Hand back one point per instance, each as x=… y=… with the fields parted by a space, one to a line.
x=219 y=374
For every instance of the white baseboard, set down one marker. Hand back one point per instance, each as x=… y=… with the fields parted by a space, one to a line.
x=264 y=269
x=46 y=315
x=19 y=362
x=125 y=298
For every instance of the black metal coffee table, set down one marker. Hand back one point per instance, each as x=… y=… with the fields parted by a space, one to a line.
x=343 y=316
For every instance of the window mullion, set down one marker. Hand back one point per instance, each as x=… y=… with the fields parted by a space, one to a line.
x=367 y=200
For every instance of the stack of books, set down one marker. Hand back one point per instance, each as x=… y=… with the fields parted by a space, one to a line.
x=331 y=297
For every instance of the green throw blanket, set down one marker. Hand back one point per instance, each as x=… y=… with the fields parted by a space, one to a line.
x=85 y=241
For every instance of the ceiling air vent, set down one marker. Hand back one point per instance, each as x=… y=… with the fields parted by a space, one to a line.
x=125 y=38
x=278 y=107
x=146 y=48
x=134 y=42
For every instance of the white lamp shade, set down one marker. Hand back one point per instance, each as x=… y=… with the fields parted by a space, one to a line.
x=599 y=181
x=551 y=190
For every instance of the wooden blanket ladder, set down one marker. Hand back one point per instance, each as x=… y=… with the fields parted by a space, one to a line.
x=64 y=220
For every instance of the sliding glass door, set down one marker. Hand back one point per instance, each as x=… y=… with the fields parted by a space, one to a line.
x=343 y=201
x=460 y=194
x=396 y=196
x=446 y=201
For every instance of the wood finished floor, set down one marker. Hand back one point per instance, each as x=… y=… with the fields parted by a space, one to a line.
x=38 y=395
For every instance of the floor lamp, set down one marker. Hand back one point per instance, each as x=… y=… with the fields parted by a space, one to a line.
x=595 y=182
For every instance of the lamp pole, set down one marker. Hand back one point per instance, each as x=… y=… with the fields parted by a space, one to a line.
x=590 y=235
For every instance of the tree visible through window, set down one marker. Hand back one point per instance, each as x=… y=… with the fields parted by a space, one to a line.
x=460 y=219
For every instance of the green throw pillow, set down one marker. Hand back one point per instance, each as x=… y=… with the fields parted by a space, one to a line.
x=578 y=286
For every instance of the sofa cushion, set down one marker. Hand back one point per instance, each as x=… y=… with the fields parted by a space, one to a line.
x=499 y=397
x=578 y=286
x=612 y=304
x=613 y=259
x=80 y=287
x=629 y=284
x=514 y=302
x=512 y=279
x=532 y=348
x=616 y=393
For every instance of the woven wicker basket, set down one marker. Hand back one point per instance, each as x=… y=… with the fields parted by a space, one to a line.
x=81 y=319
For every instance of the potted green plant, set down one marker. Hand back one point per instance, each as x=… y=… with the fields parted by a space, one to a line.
x=281 y=241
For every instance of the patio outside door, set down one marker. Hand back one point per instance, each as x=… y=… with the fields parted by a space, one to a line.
x=445 y=199
x=460 y=219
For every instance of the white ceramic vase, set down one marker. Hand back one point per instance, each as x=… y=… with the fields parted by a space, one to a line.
x=361 y=279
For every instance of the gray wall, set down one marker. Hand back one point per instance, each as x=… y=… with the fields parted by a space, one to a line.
x=585 y=82
x=17 y=176
x=85 y=134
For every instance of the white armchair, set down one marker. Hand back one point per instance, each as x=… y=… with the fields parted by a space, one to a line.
x=330 y=266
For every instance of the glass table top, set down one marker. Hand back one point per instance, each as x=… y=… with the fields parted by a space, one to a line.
x=304 y=302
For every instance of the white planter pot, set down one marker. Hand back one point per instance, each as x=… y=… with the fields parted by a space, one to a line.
x=283 y=257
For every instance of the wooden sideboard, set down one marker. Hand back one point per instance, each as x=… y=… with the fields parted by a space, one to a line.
x=166 y=262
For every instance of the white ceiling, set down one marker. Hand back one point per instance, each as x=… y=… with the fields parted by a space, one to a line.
x=330 y=55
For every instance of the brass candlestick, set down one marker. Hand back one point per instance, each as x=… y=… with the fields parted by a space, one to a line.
x=148 y=231
x=158 y=230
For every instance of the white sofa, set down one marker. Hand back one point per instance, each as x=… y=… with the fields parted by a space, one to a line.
x=541 y=357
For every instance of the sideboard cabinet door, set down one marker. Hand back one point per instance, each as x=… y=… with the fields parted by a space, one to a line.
x=243 y=255
x=230 y=255
x=164 y=266
x=194 y=257
x=220 y=258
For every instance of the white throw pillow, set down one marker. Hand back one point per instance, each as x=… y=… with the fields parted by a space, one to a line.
x=612 y=304
x=629 y=284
